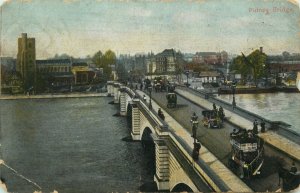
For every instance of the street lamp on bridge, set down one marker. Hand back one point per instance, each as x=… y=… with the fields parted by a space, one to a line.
x=233 y=86
x=150 y=102
x=187 y=77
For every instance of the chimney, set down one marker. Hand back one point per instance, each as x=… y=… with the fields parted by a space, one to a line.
x=261 y=49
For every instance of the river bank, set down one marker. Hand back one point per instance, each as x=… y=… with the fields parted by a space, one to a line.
x=49 y=96
x=258 y=90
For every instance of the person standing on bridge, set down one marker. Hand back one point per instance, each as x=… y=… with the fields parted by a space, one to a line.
x=196 y=150
x=161 y=114
x=221 y=113
x=255 y=127
x=195 y=122
x=214 y=107
x=141 y=86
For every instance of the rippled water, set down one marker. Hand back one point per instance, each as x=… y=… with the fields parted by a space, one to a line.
x=274 y=106
x=71 y=145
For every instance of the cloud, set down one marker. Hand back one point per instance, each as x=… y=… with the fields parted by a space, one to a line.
x=139 y=12
x=2 y=2
x=188 y=17
x=70 y=1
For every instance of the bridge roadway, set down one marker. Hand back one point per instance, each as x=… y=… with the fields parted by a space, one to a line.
x=232 y=181
x=217 y=142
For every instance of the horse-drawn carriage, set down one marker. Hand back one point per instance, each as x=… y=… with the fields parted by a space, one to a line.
x=290 y=178
x=172 y=100
x=247 y=153
x=211 y=119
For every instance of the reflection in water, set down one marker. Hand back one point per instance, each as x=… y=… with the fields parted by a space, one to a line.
x=274 y=106
x=71 y=145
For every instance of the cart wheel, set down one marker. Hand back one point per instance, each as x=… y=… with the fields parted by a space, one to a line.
x=240 y=172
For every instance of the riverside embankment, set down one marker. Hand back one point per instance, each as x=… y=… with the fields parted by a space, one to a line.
x=49 y=96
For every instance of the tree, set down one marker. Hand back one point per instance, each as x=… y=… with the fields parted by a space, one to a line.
x=257 y=60
x=285 y=55
x=62 y=56
x=122 y=73
x=109 y=58
x=254 y=64
x=179 y=65
x=241 y=67
x=105 y=61
x=97 y=58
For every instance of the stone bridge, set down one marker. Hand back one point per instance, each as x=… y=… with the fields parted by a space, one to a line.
x=175 y=169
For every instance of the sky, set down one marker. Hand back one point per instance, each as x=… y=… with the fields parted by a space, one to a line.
x=82 y=27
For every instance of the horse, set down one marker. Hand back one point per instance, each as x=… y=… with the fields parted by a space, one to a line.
x=290 y=180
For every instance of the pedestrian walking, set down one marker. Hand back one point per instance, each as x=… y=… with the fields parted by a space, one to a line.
x=255 y=128
x=141 y=86
x=195 y=122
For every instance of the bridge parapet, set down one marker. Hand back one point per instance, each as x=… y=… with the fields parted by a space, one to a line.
x=142 y=118
x=174 y=163
x=201 y=170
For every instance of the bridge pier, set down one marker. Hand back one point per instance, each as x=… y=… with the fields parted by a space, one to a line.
x=116 y=92
x=123 y=101
x=162 y=174
x=135 y=132
x=110 y=88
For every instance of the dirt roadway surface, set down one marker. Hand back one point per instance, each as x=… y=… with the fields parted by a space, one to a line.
x=217 y=141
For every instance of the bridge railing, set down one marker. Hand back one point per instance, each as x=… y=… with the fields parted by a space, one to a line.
x=144 y=107
x=204 y=171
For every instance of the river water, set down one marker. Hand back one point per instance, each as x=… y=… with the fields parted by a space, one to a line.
x=274 y=106
x=70 y=145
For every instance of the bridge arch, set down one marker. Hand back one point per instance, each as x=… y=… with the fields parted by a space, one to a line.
x=146 y=131
x=181 y=187
x=146 y=138
x=149 y=150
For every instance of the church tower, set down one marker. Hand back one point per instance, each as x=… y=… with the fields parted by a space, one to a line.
x=26 y=62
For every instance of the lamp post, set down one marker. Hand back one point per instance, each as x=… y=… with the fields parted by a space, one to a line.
x=233 y=86
x=150 y=102
x=187 y=77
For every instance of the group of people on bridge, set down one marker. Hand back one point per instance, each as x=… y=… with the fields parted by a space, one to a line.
x=262 y=125
x=219 y=113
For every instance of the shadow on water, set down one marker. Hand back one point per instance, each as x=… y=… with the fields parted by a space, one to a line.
x=129 y=139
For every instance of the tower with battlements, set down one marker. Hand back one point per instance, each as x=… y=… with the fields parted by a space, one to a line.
x=26 y=62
